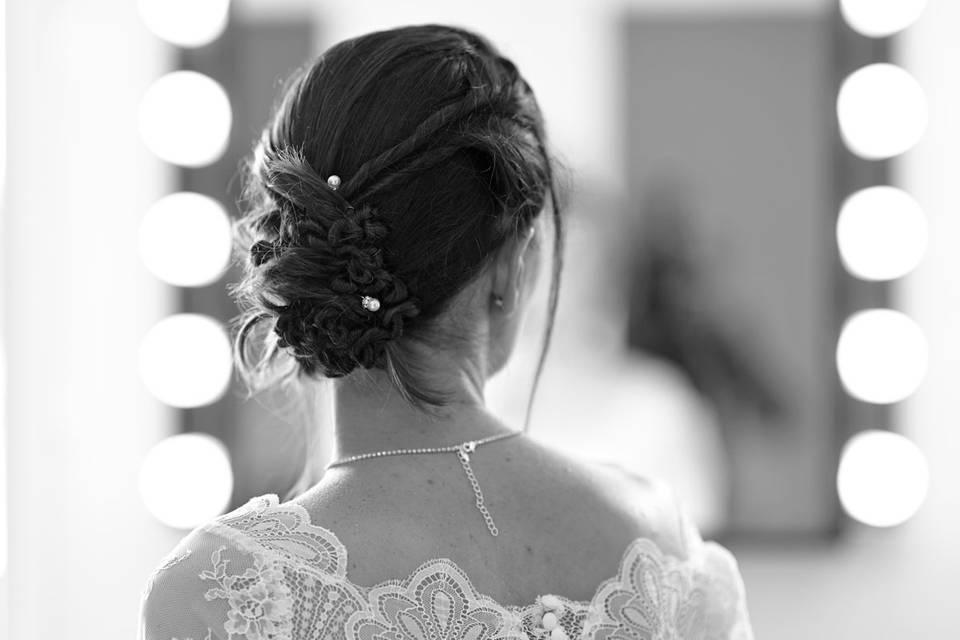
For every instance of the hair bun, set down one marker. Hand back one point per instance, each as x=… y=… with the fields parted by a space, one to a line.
x=332 y=330
x=328 y=258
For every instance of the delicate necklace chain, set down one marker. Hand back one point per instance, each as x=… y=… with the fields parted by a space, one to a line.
x=463 y=451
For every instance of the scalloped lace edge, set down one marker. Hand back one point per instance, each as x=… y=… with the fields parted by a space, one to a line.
x=271 y=501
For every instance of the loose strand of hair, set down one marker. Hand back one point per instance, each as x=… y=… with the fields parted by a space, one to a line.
x=554 y=295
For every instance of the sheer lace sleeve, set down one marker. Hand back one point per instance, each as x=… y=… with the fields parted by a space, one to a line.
x=724 y=611
x=212 y=587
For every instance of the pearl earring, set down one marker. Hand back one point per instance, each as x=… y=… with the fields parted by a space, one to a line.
x=498 y=300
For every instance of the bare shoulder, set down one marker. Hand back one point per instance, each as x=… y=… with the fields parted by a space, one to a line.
x=647 y=504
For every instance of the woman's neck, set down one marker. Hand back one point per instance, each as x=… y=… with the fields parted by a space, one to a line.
x=371 y=415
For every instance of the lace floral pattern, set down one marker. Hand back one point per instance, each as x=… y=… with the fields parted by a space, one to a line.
x=437 y=602
x=657 y=597
x=260 y=602
x=294 y=586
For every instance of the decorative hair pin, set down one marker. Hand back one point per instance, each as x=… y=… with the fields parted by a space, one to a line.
x=369 y=303
x=333 y=182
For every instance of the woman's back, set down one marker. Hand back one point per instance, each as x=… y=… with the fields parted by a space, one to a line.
x=397 y=555
x=563 y=525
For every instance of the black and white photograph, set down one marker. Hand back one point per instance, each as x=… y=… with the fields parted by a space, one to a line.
x=461 y=320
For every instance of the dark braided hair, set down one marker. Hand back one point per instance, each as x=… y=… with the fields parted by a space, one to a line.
x=440 y=148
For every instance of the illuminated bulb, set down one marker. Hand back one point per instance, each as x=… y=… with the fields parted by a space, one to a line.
x=882 y=479
x=882 y=111
x=185 y=239
x=881 y=18
x=185 y=360
x=185 y=23
x=185 y=119
x=881 y=233
x=186 y=480
x=881 y=356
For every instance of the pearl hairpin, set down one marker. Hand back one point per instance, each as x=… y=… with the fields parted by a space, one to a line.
x=333 y=182
x=369 y=303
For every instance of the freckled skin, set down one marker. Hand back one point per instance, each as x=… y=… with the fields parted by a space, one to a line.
x=529 y=549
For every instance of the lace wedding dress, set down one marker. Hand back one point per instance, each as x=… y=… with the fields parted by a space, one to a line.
x=266 y=572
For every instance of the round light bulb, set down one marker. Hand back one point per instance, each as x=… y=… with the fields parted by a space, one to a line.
x=881 y=18
x=882 y=111
x=186 y=360
x=185 y=23
x=185 y=239
x=881 y=233
x=186 y=480
x=185 y=119
x=881 y=356
x=882 y=479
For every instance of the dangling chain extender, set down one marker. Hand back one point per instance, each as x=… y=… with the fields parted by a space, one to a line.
x=463 y=452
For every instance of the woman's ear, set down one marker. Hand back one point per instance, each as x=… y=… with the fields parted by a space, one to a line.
x=509 y=284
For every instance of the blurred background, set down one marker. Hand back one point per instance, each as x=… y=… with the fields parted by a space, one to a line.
x=762 y=290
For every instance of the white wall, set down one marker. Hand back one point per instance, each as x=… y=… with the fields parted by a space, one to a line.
x=4 y=609
x=77 y=301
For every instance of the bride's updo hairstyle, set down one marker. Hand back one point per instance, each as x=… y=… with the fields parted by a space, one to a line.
x=392 y=169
